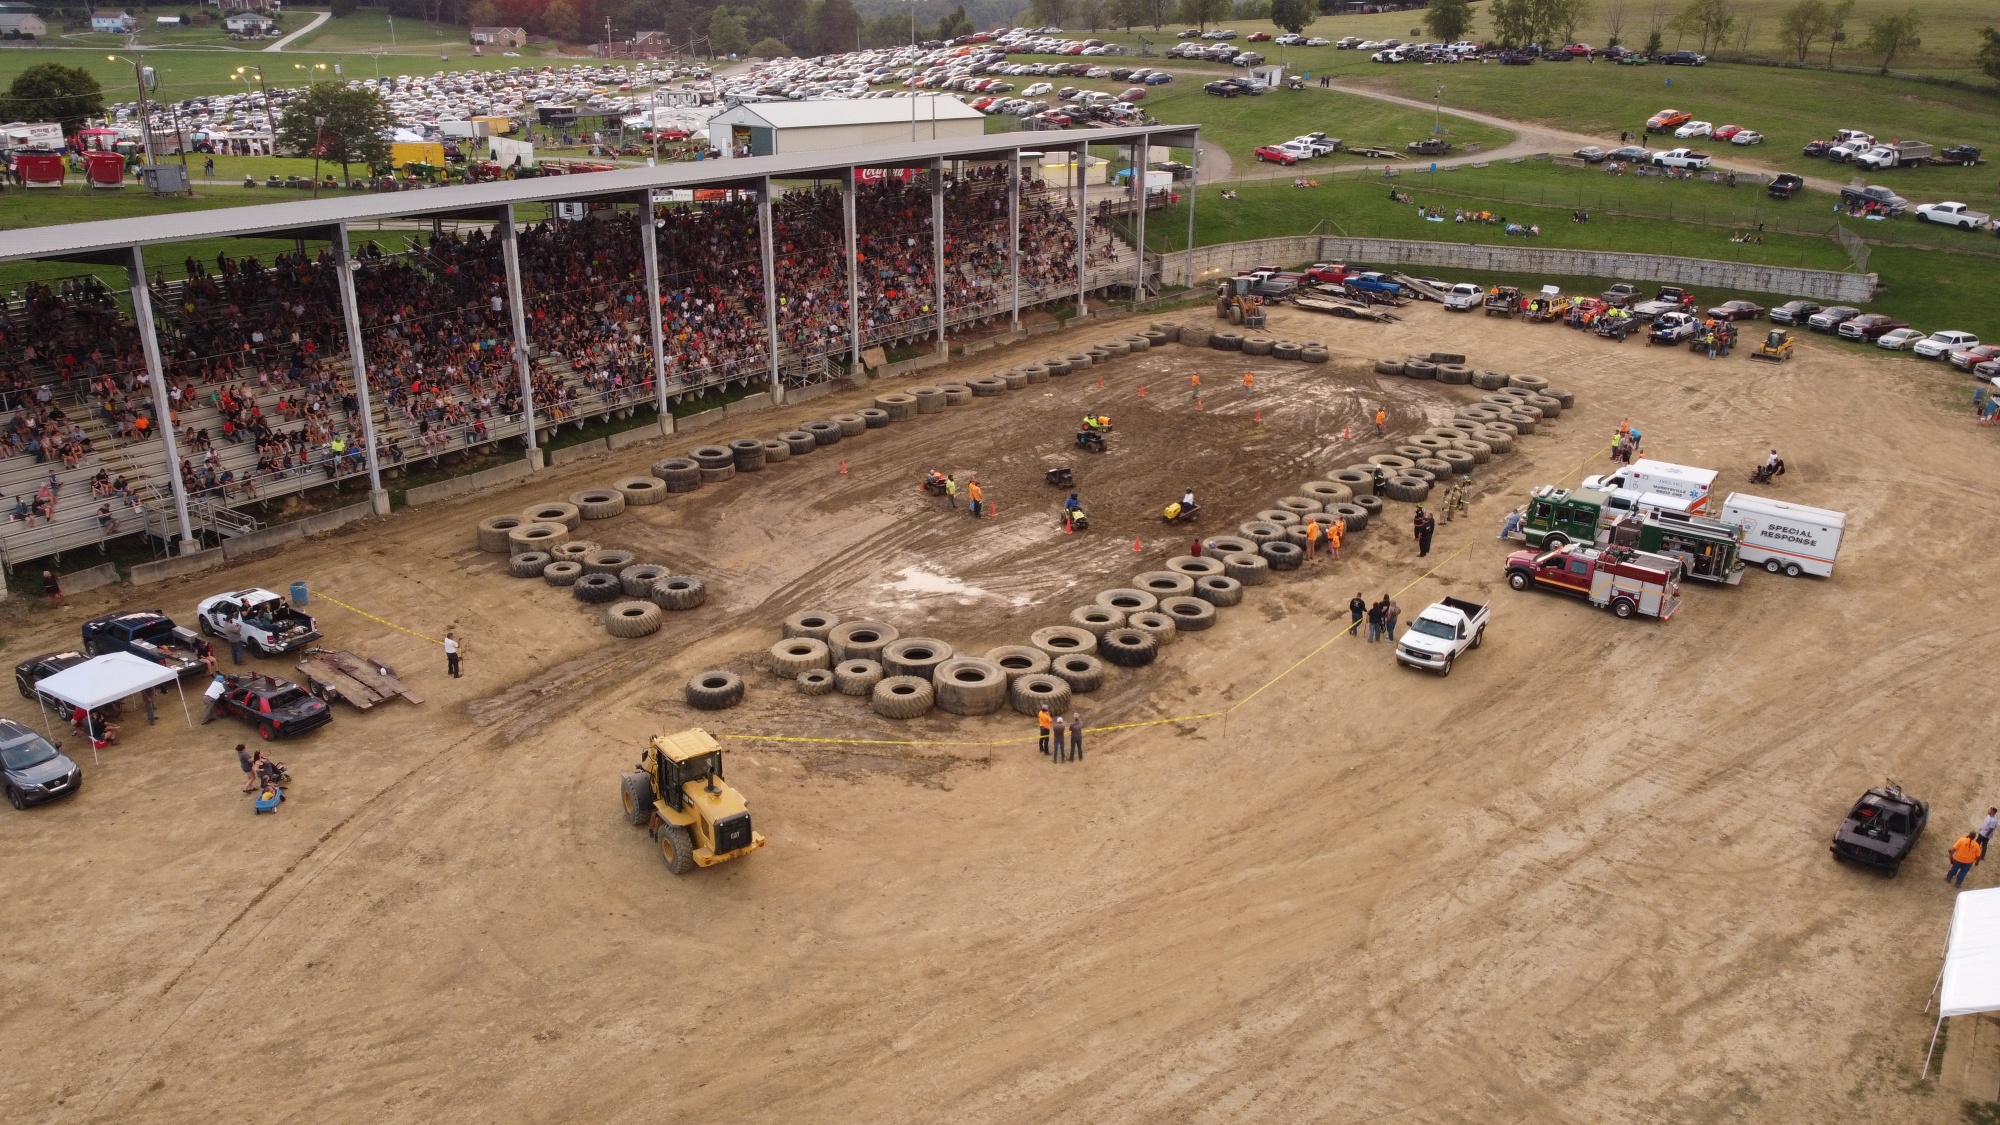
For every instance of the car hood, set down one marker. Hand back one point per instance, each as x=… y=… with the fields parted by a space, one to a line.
x=1424 y=642
x=55 y=768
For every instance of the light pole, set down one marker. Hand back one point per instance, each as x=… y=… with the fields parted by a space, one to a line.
x=140 y=76
x=269 y=122
x=319 y=143
x=1437 y=111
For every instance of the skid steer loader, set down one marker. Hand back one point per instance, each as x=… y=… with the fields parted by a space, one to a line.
x=679 y=796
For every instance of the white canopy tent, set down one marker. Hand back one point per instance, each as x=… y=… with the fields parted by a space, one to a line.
x=1970 y=982
x=103 y=680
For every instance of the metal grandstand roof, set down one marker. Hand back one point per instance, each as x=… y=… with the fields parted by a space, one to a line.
x=109 y=239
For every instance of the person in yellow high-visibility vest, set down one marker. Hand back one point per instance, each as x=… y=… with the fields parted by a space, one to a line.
x=1312 y=538
x=1043 y=721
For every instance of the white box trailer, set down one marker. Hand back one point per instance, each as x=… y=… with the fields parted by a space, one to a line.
x=1786 y=538
x=1646 y=475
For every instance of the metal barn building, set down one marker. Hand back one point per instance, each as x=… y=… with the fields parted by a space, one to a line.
x=792 y=128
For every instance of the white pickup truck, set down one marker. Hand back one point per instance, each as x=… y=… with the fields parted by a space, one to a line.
x=1952 y=215
x=1680 y=158
x=1442 y=631
x=270 y=624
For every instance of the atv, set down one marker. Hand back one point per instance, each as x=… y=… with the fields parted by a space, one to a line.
x=1881 y=829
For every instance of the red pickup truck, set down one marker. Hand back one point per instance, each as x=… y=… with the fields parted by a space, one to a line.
x=1611 y=577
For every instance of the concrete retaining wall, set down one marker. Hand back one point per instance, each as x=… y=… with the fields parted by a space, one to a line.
x=145 y=574
x=698 y=420
x=1211 y=262
x=626 y=439
x=910 y=366
x=807 y=393
x=90 y=578
x=241 y=546
x=569 y=454
x=470 y=482
x=755 y=404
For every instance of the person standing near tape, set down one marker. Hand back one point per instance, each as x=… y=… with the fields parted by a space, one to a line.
x=1357 y=608
x=1056 y=730
x=451 y=654
x=1312 y=539
x=1043 y=721
x=1075 y=736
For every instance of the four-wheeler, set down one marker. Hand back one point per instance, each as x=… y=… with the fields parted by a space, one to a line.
x=1785 y=185
x=270 y=624
x=678 y=794
x=147 y=634
x=1777 y=346
x=32 y=769
x=1503 y=300
x=1440 y=633
x=1737 y=310
x=34 y=670
x=1609 y=576
x=277 y=708
x=1723 y=333
x=1881 y=829
x=1794 y=312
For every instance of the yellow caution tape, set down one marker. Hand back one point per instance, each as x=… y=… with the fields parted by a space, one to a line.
x=372 y=617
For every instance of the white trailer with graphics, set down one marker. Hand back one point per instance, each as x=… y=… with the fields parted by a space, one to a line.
x=1784 y=538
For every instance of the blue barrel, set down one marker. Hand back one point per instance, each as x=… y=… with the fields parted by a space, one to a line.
x=298 y=593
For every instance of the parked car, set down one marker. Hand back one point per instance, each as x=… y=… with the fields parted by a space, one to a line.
x=1259 y=37
x=1967 y=359
x=1938 y=344
x=1464 y=297
x=1631 y=154
x=1442 y=632
x=1695 y=129
x=1952 y=215
x=1793 y=312
x=277 y=708
x=1683 y=58
x=1275 y=155
x=1632 y=58
x=1737 y=310
x=1668 y=119
x=1621 y=295
x=1785 y=185
x=1747 y=137
x=270 y=624
x=1870 y=326
x=1888 y=201
x=147 y=634
x=1289 y=39
x=1316 y=144
x=1830 y=319
x=1898 y=339
x=1685 y=158
x=35 y=669
x=34 y=770
x=1672 y=328
x=1589 y=154
x=1881 y=830
x=1316 y=41
x=1725 y=132
x=1817 y=148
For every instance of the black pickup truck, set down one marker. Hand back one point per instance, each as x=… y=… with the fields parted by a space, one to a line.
x=147 y=634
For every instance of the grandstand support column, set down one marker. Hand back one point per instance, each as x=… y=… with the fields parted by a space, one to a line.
x=510 y=256
x=1014 y=236
x=1082 y=228
x=149 y=338
x=766 y=246
x=853 y=274
x=937 y=244
x=649 y=245
x=357 y=362
x=1140 y=158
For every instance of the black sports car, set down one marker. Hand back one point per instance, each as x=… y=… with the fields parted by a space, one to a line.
x=278 y=708
x=1881 y=829
x=30 y=672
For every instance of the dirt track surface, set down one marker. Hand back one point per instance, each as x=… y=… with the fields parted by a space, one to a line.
x=1583 y=879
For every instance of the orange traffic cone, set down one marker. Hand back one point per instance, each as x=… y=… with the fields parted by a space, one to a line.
x=1260 y=416
x=1346 y=432
x=1197 y=404
x=1100 y=382
x=843 y=468
x=1142 y=390
x=1135 y=544
x=1069 y=527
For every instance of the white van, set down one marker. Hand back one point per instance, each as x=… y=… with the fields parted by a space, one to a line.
x=1664 y=477
x=1650 y=503
x=1785 y=538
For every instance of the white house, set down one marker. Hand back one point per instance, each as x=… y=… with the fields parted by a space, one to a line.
x=117 y=23
x=774 y=128
x=248 y=23
x=22 y=25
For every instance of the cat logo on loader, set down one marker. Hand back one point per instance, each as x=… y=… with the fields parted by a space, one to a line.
x=679 y=796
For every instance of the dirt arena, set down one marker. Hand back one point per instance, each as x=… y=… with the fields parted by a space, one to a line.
x=1584 y=879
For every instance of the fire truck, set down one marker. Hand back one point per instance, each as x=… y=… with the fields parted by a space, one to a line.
x=1646 y=522
x=1617 y=578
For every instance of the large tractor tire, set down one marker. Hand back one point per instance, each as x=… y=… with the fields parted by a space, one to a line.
x=679 y=591
x=529 y=564
x=635 y=797
x=856 y=677
x=914 y=656
x=860 y=640
x=1125 y=600
x=676 y=849
x=491 y=534
x=1019 y=660
x=789 y=657
x=902 y=697
x=1084 y=673
x=1163 y=584
x=679 y=474
x=632 y=619
x=598 y=503
x=1156 y=625
x=1191 y=615
x=608 y=562
x=815 y=681
x=565 y=514
x=969 y=685
x=637 y=580
x=1128 y=648
x=1097 y=619
x=562 y=572
x=541 y=537
x=1219 y=590
x=1031 y=693
x=1247 y=567
x=812 y=623
x=1282 y=556
x=641 y=491
x=596 y=589
x=715 y=691
x=1064 y=640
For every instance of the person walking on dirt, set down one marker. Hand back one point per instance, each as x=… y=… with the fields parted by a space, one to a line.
x=1381 y=422
x=951 y=491
x=1249 y=381
x=451 y=654
x=975 y=498
x=1056 y=732
x=52 y=587
x=1357 y=608
x=1075 y=736
x=1424 y=525
x=1043 y=722
x=1194 y=384
x=1390 y=613
x=1511 y=525
x=1335 y=532
x=1375 y=616
x=1966 y=852
x=249 y=763
x=1312 y=539
x=1986 y=828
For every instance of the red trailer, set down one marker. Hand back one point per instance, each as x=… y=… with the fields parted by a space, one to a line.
x=40 y=169
x=104 y=169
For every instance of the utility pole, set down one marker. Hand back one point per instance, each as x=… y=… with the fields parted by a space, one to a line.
x=139 y=76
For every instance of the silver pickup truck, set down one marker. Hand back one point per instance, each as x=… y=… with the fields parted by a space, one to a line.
x=1442 y=631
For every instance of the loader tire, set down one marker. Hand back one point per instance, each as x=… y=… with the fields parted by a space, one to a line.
x=1479 y=451
x=1195 y=566
x=931 y=400
x=1313 y=353
x=717 y=475
x=562 y=572
x=1016 y=380
x=1549 y=406
x=564 y=514
x=1155 y=624
x=632 y=619
x=1300 y=505
x=1194 y=335
x=1327 y=492
x=715 y=690
x=1285 y=349
x=641 y=491
x=801 y=442
x=789 y=657
x=679 y=474
x=1226 y=341
x=679 y=591
x=1413 y=453
x=575 y=550
x=1219 y=590
x=812 y=623
x=596 y=589
x=1522 y=423
x=958 y=394
x=1019 y=660
x=1257 y=345
x=1157 y=336
x=1370 y=504
x=988 y=386
x=607 y=562
x=1528 y=382
x=1064 y=640
x=860 y=640
x=1128 y=647
x=1355 y=515
x=856 y=677
x=1358 y=483
x=1165 y=584
x=1446 y=357
x=969 y=685
x=902 y=697
x=529 y=564
x=1435 y=466
x=1392 y=462
x=538 y=537
x=1430 y=441
x=1083 y=672
x=775 y=451
x=1190 y=615
x=676 y=848
x=747 y=455
x=851 y=425
x=814 y=681
x=1227 y=545
x=1489 y=380
x=1283 y=556
x=1036 y=691
x=1097 y=619
x=823 y=432
x=1034 y=373
x=598 y=503
x=637 y=581
x=1247 y=567
x=1261 y=533
x=874 y=417
x=1058 y=367
x=1461 y=462
x=1116 y=347
x=1409 y=490
x=635 y=798
x=1234 y=316
x=914 y=656
x=1420 y=369
x=899 y=407
x=1566 y=398
x=1124 y=600
x=491 y=534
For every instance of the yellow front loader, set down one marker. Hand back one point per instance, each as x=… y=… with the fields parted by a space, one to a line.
x=679 y=796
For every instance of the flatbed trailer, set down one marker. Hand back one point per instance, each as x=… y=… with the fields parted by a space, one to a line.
x=337 y=674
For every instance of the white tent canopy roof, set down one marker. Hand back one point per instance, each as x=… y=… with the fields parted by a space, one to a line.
x=104 y=679
x=1972 y=958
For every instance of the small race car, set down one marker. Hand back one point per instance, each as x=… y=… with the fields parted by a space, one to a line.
x=1881 y=829
x=277 y=708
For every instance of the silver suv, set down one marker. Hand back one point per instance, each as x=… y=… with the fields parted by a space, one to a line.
x=34 y=770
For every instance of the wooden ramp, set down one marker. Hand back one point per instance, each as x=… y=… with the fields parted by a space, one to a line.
x=1345 y=309
x=336 y=674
